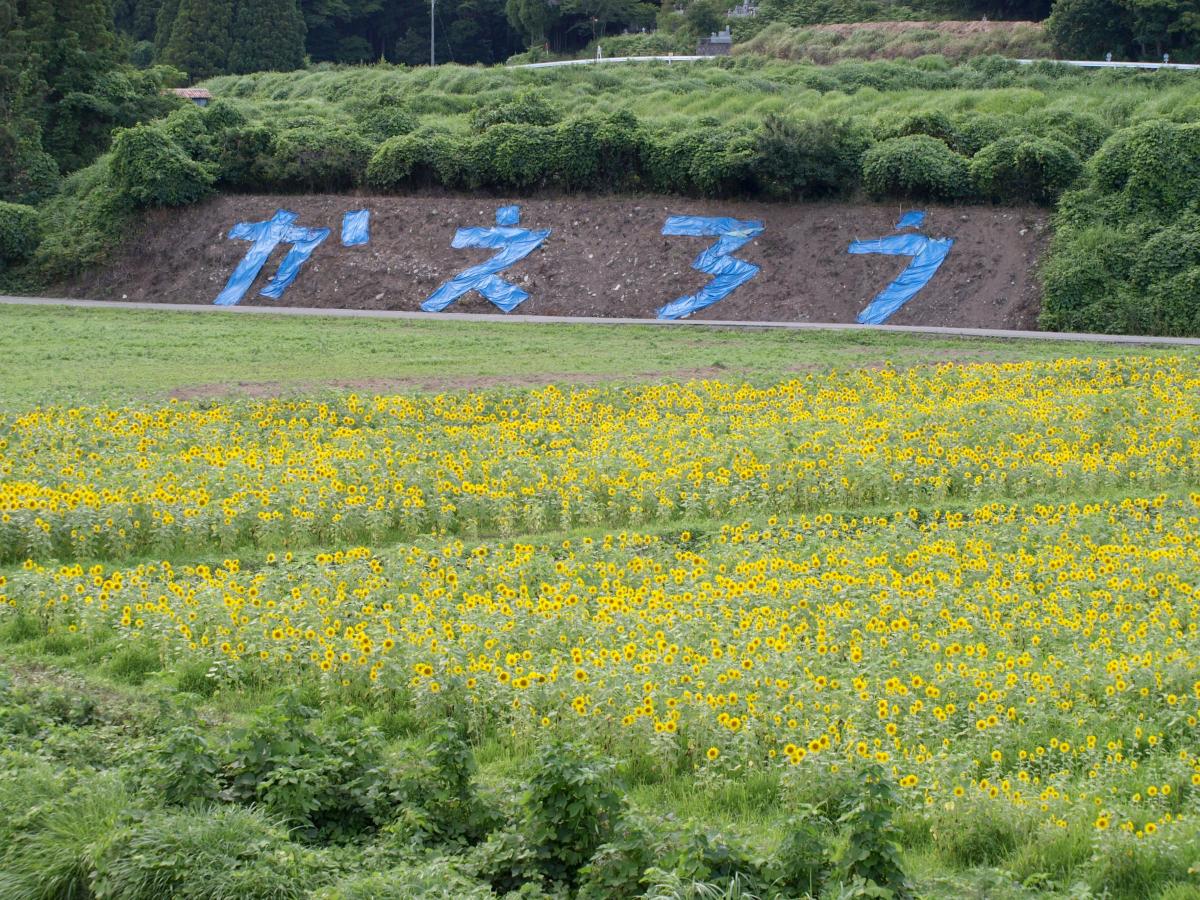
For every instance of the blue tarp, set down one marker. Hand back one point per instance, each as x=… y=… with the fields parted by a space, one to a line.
x=266 y=236
x=927 y=253
x=513 y=243
x=356 y=228
x=912 y=219
x=728 y=273
x=304 y=241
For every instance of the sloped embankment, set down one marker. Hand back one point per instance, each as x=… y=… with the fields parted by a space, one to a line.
x=604 y=257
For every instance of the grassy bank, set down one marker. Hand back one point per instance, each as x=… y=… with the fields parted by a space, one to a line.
x=72 y=355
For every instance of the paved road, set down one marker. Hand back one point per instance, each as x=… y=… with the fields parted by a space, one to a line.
x=600 y=320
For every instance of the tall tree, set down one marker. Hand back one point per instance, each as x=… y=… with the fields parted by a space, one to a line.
x=268 y=35
x=164 y=22
x=200 y=38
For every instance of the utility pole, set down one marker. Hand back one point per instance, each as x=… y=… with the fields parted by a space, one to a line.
x=432 y=4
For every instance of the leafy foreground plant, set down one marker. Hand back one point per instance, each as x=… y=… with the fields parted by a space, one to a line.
x=869 y=860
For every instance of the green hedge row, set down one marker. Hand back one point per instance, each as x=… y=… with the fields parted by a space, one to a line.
x=523 y=143
x=1126 y=252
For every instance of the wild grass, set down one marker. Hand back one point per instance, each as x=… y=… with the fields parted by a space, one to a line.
x=824 y=44
x=742 y=89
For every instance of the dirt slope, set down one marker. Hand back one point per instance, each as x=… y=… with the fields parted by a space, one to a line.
x=605 y=257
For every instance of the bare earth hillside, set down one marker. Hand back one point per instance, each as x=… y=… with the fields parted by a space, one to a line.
x=604 y=257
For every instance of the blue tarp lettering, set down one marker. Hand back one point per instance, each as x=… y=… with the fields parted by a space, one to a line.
x=728 y=273
x=265 y=237
x=927 y=255
x=513 y=243
x=356 y=228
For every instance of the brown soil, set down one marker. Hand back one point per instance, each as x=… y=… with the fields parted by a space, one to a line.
x=605 y=257
x=956 y=28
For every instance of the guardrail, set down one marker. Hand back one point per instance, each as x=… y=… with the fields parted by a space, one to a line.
x=1081 y=63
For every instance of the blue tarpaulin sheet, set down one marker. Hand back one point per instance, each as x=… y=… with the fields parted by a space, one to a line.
x=304 y=241
x=728 y=273
x=266 y=236
x=927 y=253
x=356 y=228
x=912 y=219
x=513 y=243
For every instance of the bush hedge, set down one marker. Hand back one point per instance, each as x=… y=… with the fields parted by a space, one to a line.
x=151 y=169
x=916 y=167
x=20 y=232
x=1023 y=167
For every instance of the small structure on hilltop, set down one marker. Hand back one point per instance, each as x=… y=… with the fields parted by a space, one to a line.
x=717 y=44
x=199 y=96
x=744 y=10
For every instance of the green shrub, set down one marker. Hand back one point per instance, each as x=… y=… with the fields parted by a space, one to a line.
x=571 y=808
x=915 y=167
x=616 y=869
x=597 y=152
x=870 y=850
x=1156 y=165
x=328 y=782
x=325 y=158
x=809 y=158
x=184 y=767
x=931 y=122
x=1082 y=275
x=974 y=131
x=20 y=232
x=385 y=122
x=508 y=156
x=221 y=115
x=1083 y=132
x=801 y=862
x=152 y=170
x=27 y=173
x=449 y=159
x=244 y=155
x=507 y=860
x=709 y=161
x=710 y=857
x=202 y=853
x=529 y=107
x=391 y=166
x=187 y=127
x=1023 y=168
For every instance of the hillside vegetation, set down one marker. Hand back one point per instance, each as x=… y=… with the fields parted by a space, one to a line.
x=956 y=41
x=1114 y=151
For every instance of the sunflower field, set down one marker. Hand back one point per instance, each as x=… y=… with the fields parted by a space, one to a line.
x=892 y=633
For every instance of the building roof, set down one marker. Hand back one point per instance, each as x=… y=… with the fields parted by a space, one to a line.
x=191 y=93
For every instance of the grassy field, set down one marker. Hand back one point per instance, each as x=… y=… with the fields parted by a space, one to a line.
x=744 y=90
x=73 y=355
x=446 y=613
